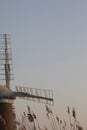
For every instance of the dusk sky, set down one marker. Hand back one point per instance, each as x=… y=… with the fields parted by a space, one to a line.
x=49 y=43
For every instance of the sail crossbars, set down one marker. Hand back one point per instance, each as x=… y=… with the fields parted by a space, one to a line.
x=6 y=63
x=34 y=94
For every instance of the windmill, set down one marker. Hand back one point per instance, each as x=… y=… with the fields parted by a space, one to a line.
x=7 y=95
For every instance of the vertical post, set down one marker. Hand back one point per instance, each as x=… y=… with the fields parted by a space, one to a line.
x=7 y=66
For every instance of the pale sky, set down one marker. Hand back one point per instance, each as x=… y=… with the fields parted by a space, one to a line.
x=49 y=39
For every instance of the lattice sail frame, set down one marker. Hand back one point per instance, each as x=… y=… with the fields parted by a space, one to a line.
x=6 y=64
x=42 y=95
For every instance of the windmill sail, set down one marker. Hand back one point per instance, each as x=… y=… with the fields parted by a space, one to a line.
x=33 y=94
x=6 y=66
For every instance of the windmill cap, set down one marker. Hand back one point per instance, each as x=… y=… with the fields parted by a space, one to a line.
x=6 y=95
x=4 y=90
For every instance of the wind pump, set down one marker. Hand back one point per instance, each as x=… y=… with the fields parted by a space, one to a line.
x=7 y=95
